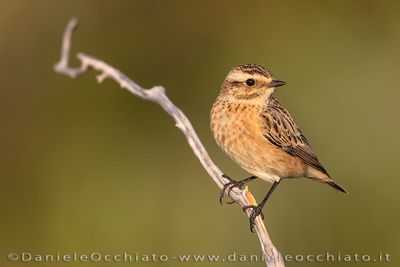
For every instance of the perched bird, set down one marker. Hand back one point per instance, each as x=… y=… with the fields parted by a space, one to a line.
x=259 y=134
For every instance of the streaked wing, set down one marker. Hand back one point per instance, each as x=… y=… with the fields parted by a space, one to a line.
x=279 y=128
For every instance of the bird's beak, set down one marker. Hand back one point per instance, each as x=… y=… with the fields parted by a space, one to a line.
x=276 y=83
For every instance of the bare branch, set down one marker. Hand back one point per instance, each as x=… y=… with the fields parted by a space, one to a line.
x=157 y=95
x=62 y=66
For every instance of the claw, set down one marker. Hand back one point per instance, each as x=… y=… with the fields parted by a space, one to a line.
x=221 y=195
x=257 y=210
x=238 y=184
x=245 y=208
x=230 y=185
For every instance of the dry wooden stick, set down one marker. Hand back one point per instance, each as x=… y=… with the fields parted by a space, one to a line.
x=157 y=95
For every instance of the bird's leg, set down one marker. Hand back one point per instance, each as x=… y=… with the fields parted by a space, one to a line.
x=257 y=210
x=232 y=184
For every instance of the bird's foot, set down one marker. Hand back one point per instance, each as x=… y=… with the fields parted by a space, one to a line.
x=233 y=184
x=256 y=210
x=228 y=187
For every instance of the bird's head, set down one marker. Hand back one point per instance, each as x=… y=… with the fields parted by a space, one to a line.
x=249 y=82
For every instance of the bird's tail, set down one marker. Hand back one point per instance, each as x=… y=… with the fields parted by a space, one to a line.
x=324 y=178
x=336 y=186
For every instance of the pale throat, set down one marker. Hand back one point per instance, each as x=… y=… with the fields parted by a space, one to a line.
x=260 y=98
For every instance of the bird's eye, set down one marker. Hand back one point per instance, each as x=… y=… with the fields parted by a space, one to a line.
x=250 y=82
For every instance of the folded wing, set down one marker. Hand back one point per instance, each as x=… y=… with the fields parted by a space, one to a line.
x=279 y=128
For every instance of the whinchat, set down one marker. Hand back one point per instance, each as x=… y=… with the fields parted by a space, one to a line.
x=259 y=134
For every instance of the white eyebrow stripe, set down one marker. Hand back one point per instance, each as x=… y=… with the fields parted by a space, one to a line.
x=241 y=76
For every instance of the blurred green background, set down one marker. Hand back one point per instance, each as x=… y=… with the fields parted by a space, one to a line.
x=88 y=167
